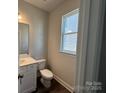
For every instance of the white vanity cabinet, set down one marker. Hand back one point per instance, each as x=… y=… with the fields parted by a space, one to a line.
x=28 y=80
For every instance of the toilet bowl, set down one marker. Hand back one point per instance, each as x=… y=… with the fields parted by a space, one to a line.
x=46 y=74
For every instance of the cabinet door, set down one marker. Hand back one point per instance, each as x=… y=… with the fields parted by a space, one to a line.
x=32 y=71
x=29 y=80
x=19 y=86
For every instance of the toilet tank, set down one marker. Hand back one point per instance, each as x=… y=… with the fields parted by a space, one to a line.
x=41 y=64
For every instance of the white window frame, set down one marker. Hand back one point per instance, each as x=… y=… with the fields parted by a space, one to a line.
x=62 y=32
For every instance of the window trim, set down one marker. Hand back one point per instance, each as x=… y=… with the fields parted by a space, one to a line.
x=62 y=34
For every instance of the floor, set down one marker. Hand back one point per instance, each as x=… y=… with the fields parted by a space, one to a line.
x=55 y=88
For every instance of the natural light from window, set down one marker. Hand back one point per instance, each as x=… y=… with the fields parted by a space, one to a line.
x=69 y=32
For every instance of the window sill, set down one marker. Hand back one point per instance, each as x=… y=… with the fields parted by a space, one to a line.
x=69 y=52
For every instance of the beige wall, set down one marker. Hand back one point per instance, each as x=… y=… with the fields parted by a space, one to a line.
x=38 y=22
x=62 y=65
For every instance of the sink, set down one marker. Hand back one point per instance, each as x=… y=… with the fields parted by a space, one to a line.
x=26 y=61
x=22 y=60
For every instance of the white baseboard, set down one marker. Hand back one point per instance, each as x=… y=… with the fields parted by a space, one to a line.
x=63 y=83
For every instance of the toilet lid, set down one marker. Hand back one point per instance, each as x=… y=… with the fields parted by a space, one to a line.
x=46 y=73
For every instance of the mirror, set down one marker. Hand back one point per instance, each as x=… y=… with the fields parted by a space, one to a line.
x=23 y=30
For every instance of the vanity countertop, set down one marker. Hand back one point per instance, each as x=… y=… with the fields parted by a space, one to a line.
x=26 y=61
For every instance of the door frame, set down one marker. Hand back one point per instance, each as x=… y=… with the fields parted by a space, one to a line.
x=91 y=21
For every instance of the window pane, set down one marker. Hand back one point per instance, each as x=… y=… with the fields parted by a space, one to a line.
x=71 y=23
x=70 y=42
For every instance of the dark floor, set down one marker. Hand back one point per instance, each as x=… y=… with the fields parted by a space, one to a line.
x=55 y=88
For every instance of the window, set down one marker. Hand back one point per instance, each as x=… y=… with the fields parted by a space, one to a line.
x=69 y=31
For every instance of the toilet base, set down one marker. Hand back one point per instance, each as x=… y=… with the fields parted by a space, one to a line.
x=46 y=83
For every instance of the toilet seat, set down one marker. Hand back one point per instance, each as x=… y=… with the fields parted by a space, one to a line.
x=46 y=73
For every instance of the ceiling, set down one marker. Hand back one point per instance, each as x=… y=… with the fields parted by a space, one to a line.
x=47 y=5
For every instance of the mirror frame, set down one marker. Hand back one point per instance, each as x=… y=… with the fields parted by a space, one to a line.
x=28 y=36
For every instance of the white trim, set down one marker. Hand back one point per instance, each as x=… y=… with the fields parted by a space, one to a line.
x=62 y=32
x=64 y=84
x=68 y=52
x=71 y=12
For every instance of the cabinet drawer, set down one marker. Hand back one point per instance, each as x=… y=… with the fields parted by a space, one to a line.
x=31 y=67
x=23 y=69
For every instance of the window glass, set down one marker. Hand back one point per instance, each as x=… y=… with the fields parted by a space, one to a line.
x=71 y=23
x=69 y=42
x=69 y=32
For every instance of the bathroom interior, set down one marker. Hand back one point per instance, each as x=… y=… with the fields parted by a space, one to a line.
x=47 y=31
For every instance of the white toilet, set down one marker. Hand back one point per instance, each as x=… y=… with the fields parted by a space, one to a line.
x=46 y=75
